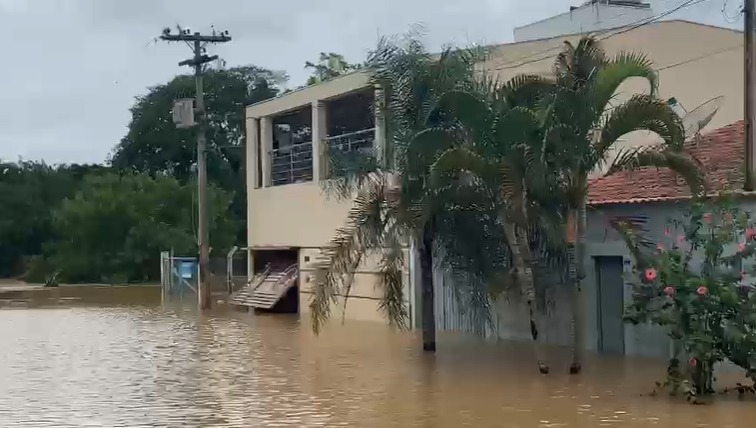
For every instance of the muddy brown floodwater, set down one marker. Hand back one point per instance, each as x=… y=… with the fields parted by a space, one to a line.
x=155 y=366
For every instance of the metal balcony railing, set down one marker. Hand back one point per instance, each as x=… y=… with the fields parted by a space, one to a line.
x=292 y=164
x=362 y=141
x=352 y=152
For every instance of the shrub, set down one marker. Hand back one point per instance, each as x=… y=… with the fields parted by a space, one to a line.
x=696 y=285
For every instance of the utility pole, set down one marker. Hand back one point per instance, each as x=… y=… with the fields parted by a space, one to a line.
x=750 y=114
x=197 y=42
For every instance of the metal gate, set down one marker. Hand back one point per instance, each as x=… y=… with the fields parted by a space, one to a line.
x=456 y=308
x=179 y=276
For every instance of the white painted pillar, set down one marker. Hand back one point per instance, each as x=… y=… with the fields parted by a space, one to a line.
x=380 y=126
x=253 y=143
x=266 y=144
x=319 y=135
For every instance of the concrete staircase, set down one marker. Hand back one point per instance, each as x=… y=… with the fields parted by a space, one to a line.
x=266 y=289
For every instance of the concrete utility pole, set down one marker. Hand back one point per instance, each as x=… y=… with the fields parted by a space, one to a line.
x=750 y=115
x=197 y=42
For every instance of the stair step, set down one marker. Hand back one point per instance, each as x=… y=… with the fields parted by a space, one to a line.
x=265 y=292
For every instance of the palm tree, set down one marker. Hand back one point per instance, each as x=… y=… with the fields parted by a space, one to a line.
x=496 y=160
x=580 y=128
x=393 y=203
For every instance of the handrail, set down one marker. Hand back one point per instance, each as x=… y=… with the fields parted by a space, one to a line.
x=291 y=164
x=260 y=278
x=286 y=273
x=350 y=134
x=289 y=148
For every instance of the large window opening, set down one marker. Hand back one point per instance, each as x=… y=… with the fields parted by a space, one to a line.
x=291 y=156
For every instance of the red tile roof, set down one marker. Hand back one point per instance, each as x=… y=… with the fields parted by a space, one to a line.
x=720 y=151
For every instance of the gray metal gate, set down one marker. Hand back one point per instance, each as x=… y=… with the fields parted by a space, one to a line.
x=179 y=276
x=454 y=311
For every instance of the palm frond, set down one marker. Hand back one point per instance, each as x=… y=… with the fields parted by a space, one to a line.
x=576 y=65
x=363 y=231
x=633 y=232
x=642 y=112
x=525 y=90
x=680 y=163
x=465 y=109
x=458 y=163
x=624 y=66
x=348 y=171
x=393 y=304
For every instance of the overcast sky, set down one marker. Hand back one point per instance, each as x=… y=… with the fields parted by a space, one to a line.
x=72 y=68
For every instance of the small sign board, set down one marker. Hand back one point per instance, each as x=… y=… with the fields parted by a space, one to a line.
x=186 y=270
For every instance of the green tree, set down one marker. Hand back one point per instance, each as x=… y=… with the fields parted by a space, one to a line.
x=329 y=65
x=582 y=123
x=395 y=203
x=30 y=191
x=115 y=226
x=154 y=145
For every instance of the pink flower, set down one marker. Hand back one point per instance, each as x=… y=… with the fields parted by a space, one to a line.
x=666 y=231
x=707 y=218
x=702 y=291
x=680 y=239
x=660 y=247
x=750 y=233
x=669 y=291
x=693 y=361
x=741 y=247
x=650 y=274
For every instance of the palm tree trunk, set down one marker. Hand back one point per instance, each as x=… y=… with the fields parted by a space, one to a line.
x=577 y=252
x=428 y=295
x=520 y=251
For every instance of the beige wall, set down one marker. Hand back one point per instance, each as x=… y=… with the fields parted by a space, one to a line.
x=364 y=296
x=674 y=47
x=296 y=215
x=323 y=91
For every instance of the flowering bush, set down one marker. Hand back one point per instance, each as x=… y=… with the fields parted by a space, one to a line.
x=695 y=284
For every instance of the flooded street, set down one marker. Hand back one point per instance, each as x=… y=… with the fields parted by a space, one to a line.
x=152 y=366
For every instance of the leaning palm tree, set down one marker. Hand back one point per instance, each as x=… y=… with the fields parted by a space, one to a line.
x=583 y=124
x=393 y=203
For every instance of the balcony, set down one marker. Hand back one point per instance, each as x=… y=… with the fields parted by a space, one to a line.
x=311 y=141
x=292 y=164
x=353 y=151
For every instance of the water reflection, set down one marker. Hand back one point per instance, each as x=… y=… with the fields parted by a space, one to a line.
x=152 y=366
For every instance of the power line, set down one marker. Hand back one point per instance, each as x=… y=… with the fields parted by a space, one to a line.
x=622 y=30
x=700 y=57
x=727 y=17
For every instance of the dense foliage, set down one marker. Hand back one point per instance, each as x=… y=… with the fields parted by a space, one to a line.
x=328 y=66
x=698 y=285
x=29 y=192
x=115 y=226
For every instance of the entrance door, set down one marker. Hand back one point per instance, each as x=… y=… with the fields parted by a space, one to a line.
x=610 y=299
